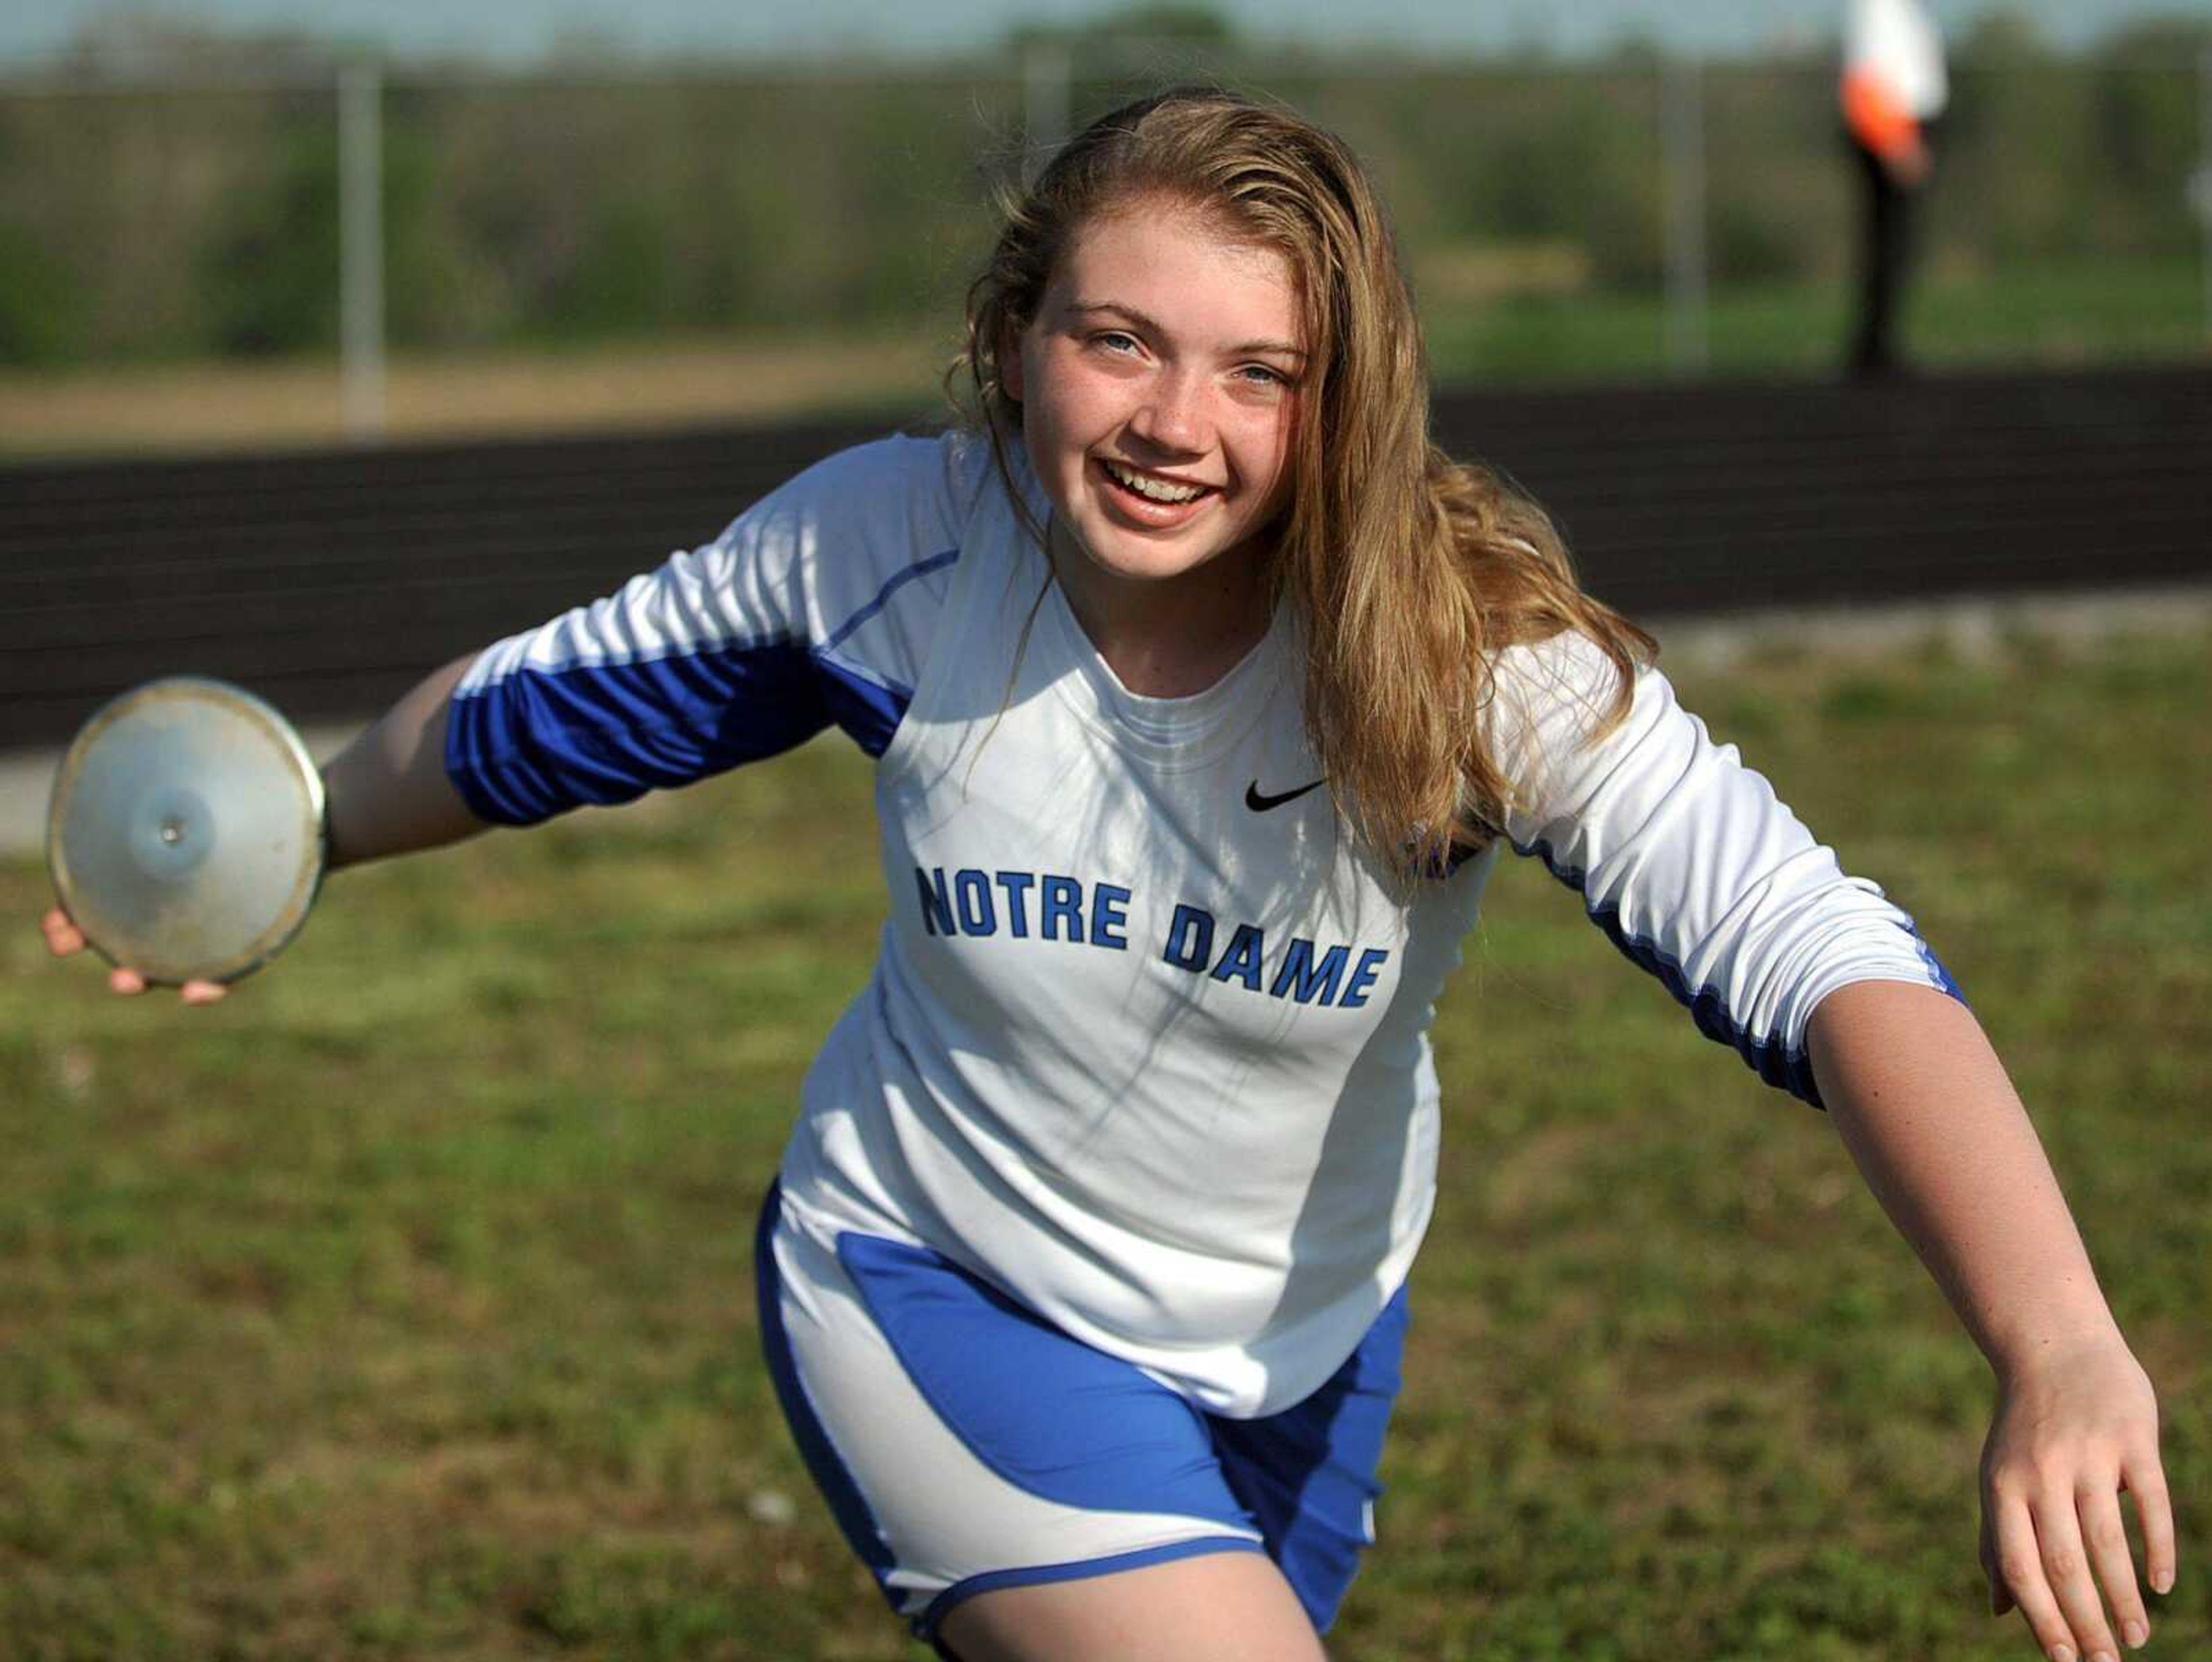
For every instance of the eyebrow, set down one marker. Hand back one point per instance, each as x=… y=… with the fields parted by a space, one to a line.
x=1152 y=327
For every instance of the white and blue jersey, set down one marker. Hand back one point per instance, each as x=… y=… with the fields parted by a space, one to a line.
x=1144 y=1048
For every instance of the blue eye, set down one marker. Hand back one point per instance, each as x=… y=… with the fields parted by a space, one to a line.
x=1114 y=341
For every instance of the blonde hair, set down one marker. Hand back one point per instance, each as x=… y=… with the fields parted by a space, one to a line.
x=1407 y=570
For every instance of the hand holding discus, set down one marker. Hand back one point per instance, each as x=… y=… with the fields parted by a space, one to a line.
x=185 y=836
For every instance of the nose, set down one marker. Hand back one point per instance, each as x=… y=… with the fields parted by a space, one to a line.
x=1172 y=416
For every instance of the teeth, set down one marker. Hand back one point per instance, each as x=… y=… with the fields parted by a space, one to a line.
x=1158 y=490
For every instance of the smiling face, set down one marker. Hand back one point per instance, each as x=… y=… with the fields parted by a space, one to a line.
x=1158 y=385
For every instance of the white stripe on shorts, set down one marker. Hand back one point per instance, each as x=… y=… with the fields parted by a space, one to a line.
x=945 y=1516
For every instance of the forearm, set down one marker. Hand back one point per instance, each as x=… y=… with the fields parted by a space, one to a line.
x=387 y=791
x=1925 y=1109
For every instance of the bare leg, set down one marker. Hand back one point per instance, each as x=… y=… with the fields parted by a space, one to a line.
x=1220 y=1607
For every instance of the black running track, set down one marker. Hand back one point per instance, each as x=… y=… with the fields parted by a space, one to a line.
x=327 y=580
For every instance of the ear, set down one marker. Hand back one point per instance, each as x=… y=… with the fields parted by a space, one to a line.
x=1010 y=361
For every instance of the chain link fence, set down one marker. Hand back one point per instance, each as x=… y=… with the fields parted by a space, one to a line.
x=1616 y=220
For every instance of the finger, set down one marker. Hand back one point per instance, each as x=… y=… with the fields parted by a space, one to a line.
x=202 y=992
x=62 y=937
x=127 y=982
x=2000 y=1600
x=2021 y=1563
x=2106 y=1537
x=2066 y=1565
x=2146 y=1480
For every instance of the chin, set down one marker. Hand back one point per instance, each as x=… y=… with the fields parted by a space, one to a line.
x=1139 y=558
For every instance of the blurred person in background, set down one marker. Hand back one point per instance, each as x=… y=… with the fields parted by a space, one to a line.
x=1205 y=692
x=1894 y=88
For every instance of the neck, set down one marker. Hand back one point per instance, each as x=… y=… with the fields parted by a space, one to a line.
x=1166 y=637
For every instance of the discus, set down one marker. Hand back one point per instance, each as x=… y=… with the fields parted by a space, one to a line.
x=186 y=830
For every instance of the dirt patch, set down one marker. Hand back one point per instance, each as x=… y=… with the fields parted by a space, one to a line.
x=221 y=406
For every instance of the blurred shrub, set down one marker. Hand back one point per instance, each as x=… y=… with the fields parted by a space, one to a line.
x=266 y=271
x=41 y=322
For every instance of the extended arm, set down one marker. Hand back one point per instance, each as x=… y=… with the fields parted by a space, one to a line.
x=1694 y=868
x=387 y=790
x=1927 y=1111
x=813 y=607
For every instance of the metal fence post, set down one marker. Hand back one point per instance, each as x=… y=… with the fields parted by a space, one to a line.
x=2204 y=180
x=1046 y=99
x=1682 y=144
x=361 y=249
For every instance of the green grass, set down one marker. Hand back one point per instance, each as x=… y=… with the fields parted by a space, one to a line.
x=400 y=1306
x=2094 y=312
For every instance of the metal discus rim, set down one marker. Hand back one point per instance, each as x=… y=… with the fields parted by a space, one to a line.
x=301 y=819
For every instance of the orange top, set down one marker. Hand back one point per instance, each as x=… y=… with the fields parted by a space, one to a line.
x=1877 y=117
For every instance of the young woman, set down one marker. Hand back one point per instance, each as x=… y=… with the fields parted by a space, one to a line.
x=1204 y=693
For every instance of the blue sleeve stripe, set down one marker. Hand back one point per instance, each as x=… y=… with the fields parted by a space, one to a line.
x=537 y=742
x=1935 y=967
x=898 y=580
x=868 y=707
x=1768 y=1057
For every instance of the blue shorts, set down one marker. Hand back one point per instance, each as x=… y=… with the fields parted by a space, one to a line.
x=965 y=1445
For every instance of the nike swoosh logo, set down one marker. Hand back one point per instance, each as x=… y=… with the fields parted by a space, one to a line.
x=1259 y=804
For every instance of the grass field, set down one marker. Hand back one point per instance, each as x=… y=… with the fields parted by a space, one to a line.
x=2057 y=314
x=399 y=1306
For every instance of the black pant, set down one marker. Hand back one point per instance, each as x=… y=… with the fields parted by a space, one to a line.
x=1885 y=252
